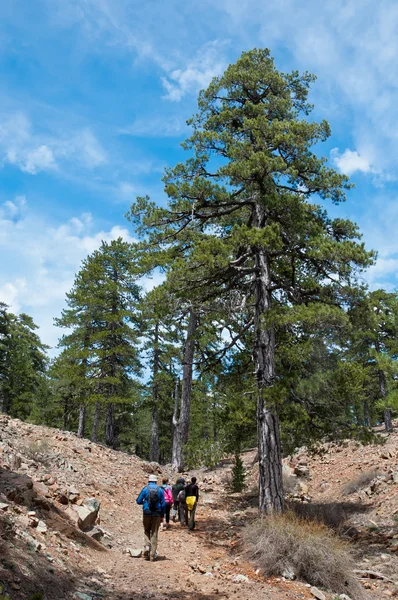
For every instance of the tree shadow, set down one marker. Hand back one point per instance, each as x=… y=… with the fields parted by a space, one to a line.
x=335 y=515
x=24 y=572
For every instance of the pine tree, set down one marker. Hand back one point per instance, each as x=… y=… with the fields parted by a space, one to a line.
x=161 y=332
x=374 y=344
x=102 y=346
x=238 y=474
x=239 y=220
x=23 y=364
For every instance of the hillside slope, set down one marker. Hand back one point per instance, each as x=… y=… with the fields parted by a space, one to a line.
x=48 y=478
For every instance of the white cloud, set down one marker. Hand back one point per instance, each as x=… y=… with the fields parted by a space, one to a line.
x=350 y=161
x=33 y=151
x=384 y=272
x=41 y=260
x=155 y=126
x=197 y=73
x=13 y=209
x=39 y=159
x=90 y=149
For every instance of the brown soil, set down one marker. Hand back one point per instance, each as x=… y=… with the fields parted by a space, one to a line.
x=39 y=465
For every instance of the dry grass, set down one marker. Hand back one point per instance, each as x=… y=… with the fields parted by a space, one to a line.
x=290 y=483
x=360 y=482
x=313 y=552
x=38 y=451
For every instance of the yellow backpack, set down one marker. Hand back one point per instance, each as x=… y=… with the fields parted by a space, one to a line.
x=190 y=502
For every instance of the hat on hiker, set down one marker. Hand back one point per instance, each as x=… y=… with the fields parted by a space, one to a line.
x=153 y=478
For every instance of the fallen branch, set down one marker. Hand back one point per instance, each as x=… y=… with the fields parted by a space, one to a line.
x=372 y=575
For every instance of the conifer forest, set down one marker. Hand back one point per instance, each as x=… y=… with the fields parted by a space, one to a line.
x=260 y=331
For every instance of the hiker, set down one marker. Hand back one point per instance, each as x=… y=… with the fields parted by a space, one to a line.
x=182 y=508
x=191 y=500
x=152 y=500
x=168 y=498
x=176 y=489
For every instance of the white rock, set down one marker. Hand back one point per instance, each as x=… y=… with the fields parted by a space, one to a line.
x=41 y=527
x=317 y=593
x=240 y=578
x=134 y=552
x=3 y=506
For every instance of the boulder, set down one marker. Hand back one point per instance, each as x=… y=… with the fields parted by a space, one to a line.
x=301 y=470
x=14 y=460
x=73 y=494
x=41 y=488
x=151 y=467
x=134 y=552
x=84 y=516
x=4 y=506
x=95 y=533
x=317 y=593
x=41 y=527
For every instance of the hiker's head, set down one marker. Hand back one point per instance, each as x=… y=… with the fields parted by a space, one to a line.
x=180 y=480
x=152 y=478
x=165 y=480
x=193 y=480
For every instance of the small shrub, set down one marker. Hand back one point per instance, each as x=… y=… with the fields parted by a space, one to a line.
x=360 y=482
x=238 y=474
x=37 y=451
x=37 y=596
x=310 y=550
x=289 y=483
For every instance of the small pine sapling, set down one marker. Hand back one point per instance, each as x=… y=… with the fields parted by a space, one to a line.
x=238 y=474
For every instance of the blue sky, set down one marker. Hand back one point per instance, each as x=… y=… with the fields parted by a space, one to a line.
x=93 y=104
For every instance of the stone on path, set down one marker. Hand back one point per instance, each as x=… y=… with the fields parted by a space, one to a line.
x=240 y=578
x=134 y=552
x=317 y=593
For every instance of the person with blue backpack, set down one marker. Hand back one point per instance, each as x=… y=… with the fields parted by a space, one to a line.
x=152 y=500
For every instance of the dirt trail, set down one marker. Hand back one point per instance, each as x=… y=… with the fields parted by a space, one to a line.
x=40 y=466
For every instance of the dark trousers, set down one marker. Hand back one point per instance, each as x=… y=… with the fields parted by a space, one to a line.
x=167 y=512
x=192 y=512
x=183 y=512
x=151 y=528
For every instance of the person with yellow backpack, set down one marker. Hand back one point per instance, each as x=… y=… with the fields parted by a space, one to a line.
x=191 y=500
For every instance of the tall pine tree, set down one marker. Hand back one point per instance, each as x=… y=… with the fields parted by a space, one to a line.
x=240 y=216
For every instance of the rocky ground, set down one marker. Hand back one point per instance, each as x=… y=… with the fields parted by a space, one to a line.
x=68 y=517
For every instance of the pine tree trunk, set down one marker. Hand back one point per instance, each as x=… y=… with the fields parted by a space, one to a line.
x=82 y=420
x=155 y=399
x=65 y=416
x=3 y=403
x=181 y=420
x=382 y=385
x=269 y=444
x=110 y=425
x=155 y=434
x=176 y=459
x=366 y=414
x=388 y=419
x=97 y=415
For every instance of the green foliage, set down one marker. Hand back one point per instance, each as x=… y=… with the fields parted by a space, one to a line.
x=100 y=356
x=23 y=364
x=238 y=474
